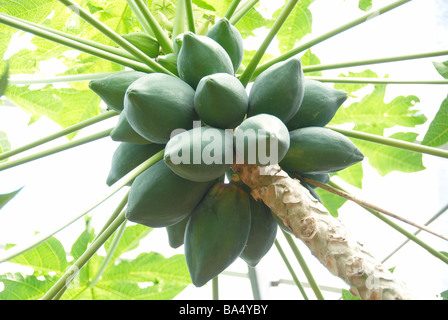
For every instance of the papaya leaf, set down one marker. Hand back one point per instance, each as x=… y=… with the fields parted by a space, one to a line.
x=64 y=106
x=4 y=144
x=444 y=295
x=386 y=159
x=442 y=68
x=331 y=201
x=297 y=25
x=373 y=115
x=347 y=295
x=5 y=198
x=129 y=240
x=437 y=133
x=47 y=257
x=350 y=88
x=308 y=59
x=365 y=5
x=352 y=175
x=4 y=80
x=251 y=21
x=21 y=287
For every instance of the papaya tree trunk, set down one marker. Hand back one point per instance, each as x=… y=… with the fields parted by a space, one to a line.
x=326 y=237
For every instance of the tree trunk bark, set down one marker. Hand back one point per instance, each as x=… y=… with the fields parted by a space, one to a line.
x=327 y=238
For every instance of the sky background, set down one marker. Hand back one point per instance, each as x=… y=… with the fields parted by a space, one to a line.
x=70 y=182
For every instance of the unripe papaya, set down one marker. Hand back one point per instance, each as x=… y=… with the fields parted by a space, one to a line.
x=176 y=233
x=278 y=90
x=112 y=89
x=319 y=150
x=221 y=100
x=216 y=232
x=157 y=104
x=123 y=132
x=177 y=43
x=127 y=157
x=319 y=105
x=201 y=56
x=169 y=62
x=147 y=44
x=230 y=39
x=200 y=154
x=160 y=198
x=261 y=140
x=263 y=230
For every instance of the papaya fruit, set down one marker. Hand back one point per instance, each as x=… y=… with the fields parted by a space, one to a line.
x=127 y=157
x=112 y=89
x=263 y=230
x=177 y=43
x=157 y=104
x=220 y=101
x=123 y=132
x=160 y=198
x=322 y=177
x=176 y=233
x=230 y=39
x=169 y=62
x=262 y=140
x=147 y=44
x=201 y=56
x=200 y=154
x=319 y=150
x=319 y=105
x=278 y=90
x=216 y=232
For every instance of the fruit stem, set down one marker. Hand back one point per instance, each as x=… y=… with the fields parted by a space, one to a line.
x=375 y=80
x=438 y=214
x=115 y=37
x=231 y=9
x=320 y=67
x=179 y=19
x=290 y=268
x=304 y=266
x=364 y=203
x=190 y=16
x=141 y=19
x=407 y=234
x=41 y=237
x=14 y=23
x=54 y=150
x=215 y=288
x=242 y=11
x=329 y=35
x=160 y=34
x=392 y=142
x=252 y=273
x=248 y=72
x=59 y=134
x=84 y=258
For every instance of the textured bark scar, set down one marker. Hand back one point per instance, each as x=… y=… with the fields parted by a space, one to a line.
x=327 y=238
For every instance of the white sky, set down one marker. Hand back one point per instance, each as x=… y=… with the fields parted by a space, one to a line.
x=68 y=183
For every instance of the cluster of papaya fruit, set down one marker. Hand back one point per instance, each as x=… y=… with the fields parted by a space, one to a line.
x=215 y=218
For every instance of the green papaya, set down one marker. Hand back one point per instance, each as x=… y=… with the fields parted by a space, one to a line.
x=176 y=233
x=112 y=89
x=123 y=132
x=200 y=154
x=319 y=105
x=147 y=44
x=157 y=104
x=169 y=62
x=230 y=39
x=262 y=140
x=160 y=198
x=177 y=43
x=217 y=232
x=201 y=56
x=319 y=150
x=127 y=157
x=278 y=90
x=263 y=230
x=220 y=101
